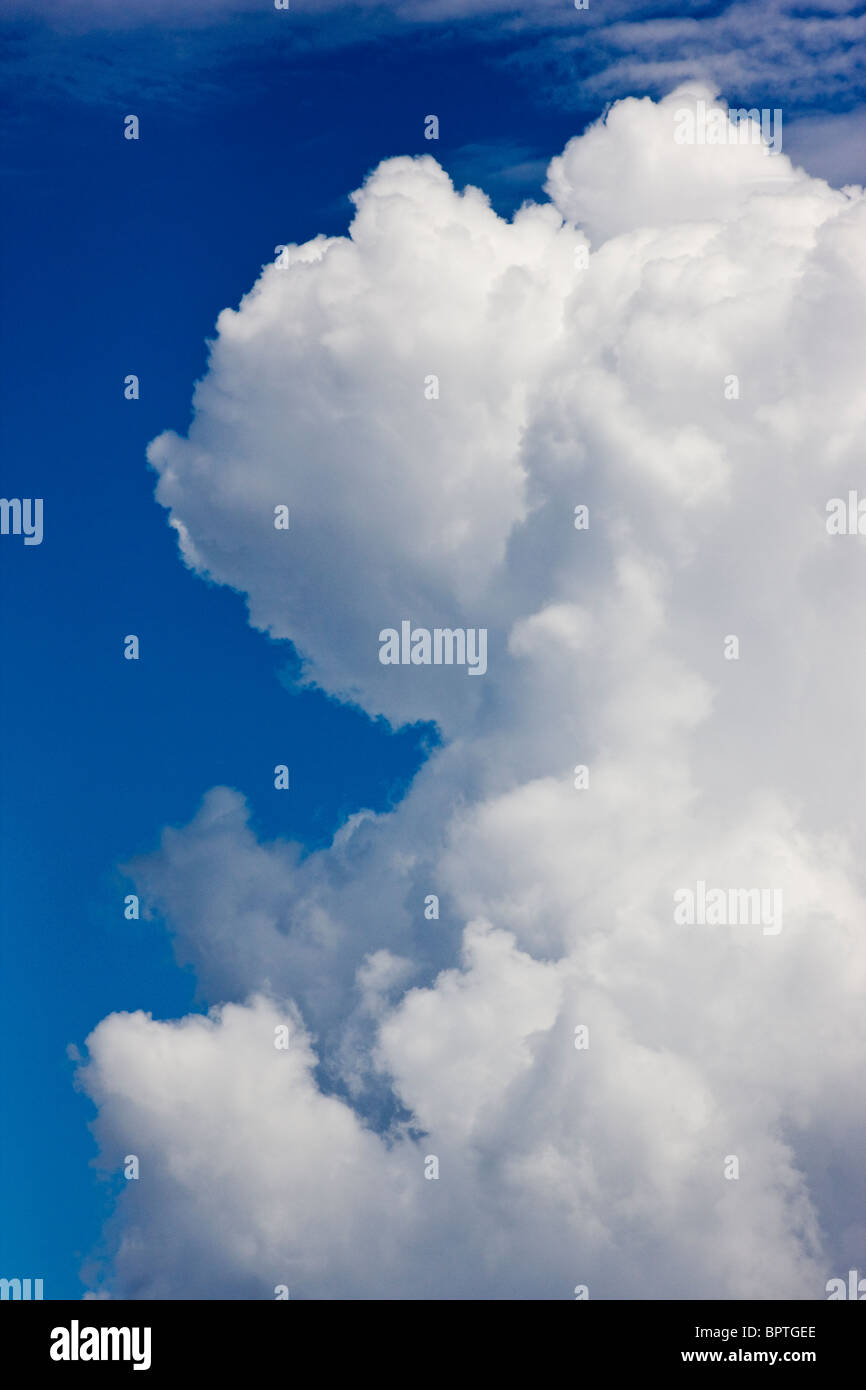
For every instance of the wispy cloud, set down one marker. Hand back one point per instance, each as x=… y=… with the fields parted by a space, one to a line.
x=813 y=57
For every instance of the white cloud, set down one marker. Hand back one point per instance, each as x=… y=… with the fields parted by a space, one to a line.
x=705 y=183
x=772 y=52
x=558 y=386
x=426 y=278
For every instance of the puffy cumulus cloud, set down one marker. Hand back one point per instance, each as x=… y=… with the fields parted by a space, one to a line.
x=454 y=1035
x=321 y=377
x=706 y=183
x=275 y=1132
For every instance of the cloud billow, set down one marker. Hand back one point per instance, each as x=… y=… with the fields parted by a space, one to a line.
x=585 y=353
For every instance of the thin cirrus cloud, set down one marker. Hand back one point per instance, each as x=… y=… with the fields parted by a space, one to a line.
x=759 y=50
x=807 y=62
x=583 y=351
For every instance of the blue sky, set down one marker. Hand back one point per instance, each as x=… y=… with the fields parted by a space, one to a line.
x=128 y=251
x=116 y=258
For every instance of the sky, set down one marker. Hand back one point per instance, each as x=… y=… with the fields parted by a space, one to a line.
x=584 y=290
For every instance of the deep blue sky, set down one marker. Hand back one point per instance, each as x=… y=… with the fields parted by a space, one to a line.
x=116 y=258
